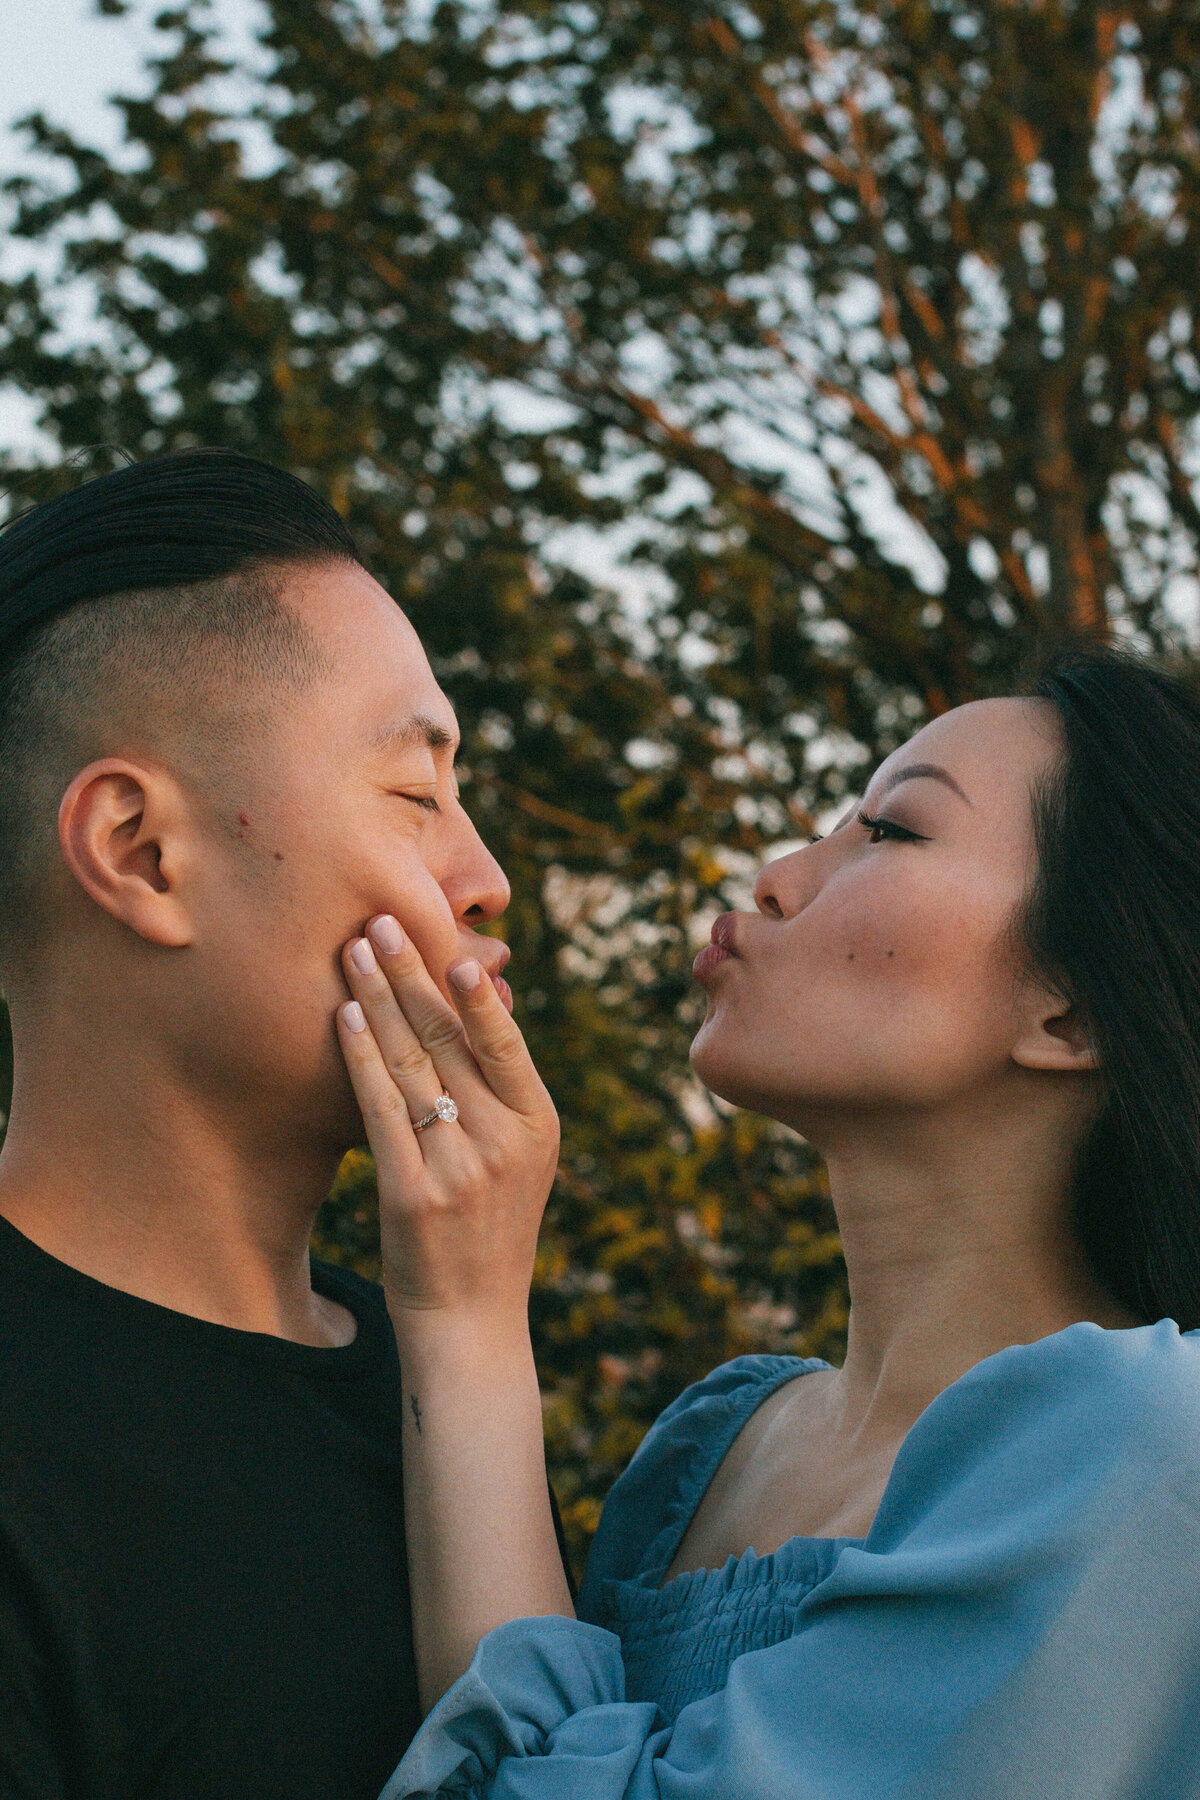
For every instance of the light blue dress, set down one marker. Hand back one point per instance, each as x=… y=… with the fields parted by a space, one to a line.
x=1022 y=1621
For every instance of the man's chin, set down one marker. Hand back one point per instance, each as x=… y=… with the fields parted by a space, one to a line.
x=334 y=1114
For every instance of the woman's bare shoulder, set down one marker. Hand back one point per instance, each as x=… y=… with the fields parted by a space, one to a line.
x=746 y=1504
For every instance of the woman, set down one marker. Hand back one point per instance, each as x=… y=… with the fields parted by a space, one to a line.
x=966 y=1564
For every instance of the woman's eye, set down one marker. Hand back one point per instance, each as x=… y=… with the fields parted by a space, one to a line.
x=426 y=802
x=882 y=830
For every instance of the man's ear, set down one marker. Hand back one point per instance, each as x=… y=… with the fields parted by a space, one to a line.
x=1053 y=1036
x=123 y=829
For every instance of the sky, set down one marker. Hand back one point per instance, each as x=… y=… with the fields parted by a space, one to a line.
x=60 y=58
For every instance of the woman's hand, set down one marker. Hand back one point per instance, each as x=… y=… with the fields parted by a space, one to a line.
x=460 y=1202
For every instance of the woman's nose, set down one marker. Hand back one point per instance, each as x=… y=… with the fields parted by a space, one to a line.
x=781 y=886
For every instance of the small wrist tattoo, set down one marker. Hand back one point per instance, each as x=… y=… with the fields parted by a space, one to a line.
x=416 y=1412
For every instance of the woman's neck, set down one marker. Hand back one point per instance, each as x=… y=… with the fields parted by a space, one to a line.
x=958 y=1243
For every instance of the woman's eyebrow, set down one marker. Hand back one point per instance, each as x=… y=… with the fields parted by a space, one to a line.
x=933 y=771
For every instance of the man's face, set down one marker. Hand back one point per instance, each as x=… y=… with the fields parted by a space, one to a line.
x=349 y=808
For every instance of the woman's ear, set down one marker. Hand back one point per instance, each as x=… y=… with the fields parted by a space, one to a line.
x=122 y=829
x=1053 y=1036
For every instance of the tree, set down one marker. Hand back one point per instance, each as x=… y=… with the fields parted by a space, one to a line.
x=863 y=344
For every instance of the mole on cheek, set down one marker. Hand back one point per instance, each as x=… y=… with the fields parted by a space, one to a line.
x=279 y=856
x=850 y=958
x=891 y=953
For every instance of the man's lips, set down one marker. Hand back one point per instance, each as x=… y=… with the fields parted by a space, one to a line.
x=491 y=961
x=720 y=948
x=502 y=988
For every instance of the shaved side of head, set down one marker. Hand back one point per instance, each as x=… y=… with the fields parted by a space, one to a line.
x=188 y=675
x=146 y=611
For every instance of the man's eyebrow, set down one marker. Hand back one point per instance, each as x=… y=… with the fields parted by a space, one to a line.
x=934 y=771
x=418 y=729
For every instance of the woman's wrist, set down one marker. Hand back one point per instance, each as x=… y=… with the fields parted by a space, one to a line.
x=480 y=1531
x=456 y=1342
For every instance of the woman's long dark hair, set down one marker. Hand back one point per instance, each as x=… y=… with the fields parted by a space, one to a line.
x=1113 y=919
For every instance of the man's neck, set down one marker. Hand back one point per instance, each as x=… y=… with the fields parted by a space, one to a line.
x=141 y=1190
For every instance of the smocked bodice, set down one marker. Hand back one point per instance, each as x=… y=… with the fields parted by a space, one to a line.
x=678 y=1640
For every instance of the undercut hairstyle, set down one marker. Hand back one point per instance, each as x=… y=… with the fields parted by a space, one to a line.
x=1113 y=921
x=147 y=601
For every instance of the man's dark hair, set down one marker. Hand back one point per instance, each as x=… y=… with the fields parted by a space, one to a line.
x=1113 y=920
x=140 y=593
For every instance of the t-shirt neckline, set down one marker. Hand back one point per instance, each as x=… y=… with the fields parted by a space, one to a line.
x=363 y=1354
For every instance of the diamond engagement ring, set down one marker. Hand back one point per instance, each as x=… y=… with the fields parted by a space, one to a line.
x=443 y=1108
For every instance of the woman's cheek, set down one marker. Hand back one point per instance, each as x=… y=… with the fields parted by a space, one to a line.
x=914 y=929
x=870 y=940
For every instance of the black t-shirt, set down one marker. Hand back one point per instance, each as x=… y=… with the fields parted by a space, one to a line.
x=203 y=1586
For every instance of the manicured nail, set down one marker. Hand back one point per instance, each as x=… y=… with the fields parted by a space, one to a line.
x=363 y=957
x=388 y=935
x=466 y=976
x=352 y=1013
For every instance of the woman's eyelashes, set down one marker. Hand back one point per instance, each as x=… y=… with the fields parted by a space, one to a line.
x=426 y=802
x=883 y=830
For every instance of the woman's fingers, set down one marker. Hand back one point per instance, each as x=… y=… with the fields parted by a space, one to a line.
x=460 y=1205
x=495 y=1040
x=419 y=1035
x=383 y=1107
x=426 y=1045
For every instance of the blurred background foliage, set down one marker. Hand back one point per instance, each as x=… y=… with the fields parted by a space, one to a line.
x=723 y=388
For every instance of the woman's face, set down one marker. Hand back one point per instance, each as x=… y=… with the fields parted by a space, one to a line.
x=878 y=973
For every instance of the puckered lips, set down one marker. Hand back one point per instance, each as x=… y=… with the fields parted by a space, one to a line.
x=721 y=947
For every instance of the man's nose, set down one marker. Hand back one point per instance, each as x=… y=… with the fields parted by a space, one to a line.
x=474 y=883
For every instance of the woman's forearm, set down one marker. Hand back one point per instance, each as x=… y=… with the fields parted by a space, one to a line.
x=481 y=1541
x=461 y=1193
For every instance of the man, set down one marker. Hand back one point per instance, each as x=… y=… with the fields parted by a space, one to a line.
x=223 y=750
